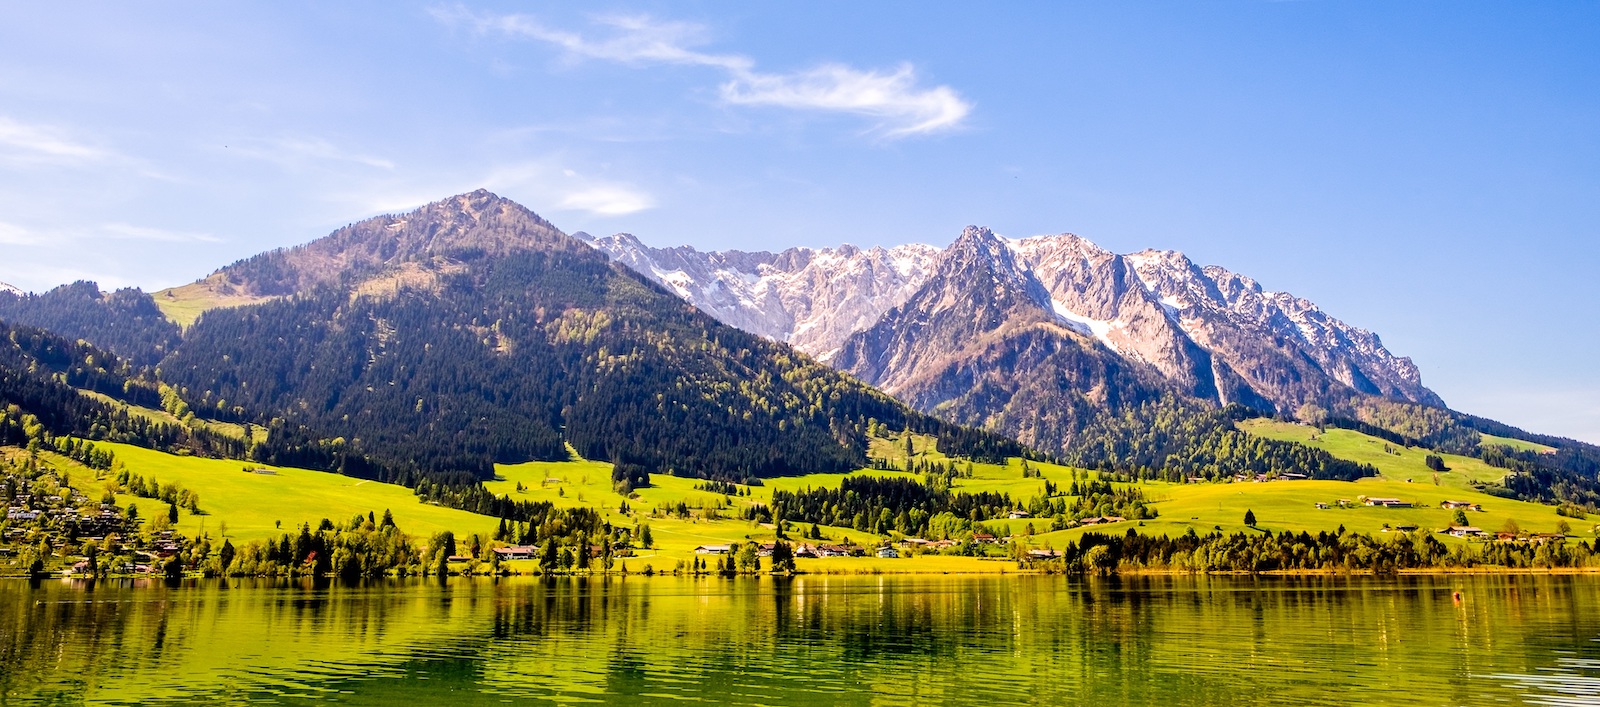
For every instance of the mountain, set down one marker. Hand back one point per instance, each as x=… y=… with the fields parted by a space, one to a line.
x=10 y=290
x=980 y=340
x=810 y=298
x=126 y=322
x=1210 y=334
x=472 y=332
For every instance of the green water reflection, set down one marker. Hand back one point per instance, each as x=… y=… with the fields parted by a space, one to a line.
x=810 y=640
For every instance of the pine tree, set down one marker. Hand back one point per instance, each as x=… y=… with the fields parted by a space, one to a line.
x=1250 y=518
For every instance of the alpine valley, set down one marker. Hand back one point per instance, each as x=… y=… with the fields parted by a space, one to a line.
x=565 y=399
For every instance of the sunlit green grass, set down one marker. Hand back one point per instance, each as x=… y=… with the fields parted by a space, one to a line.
x=257 y=506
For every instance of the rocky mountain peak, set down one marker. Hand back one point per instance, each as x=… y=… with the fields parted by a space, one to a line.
x=478 y=224
x=811 y=298
x=10 y=290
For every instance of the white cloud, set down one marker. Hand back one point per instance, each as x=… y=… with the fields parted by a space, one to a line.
x=901 y=107
x=565 y=189
x=607 y=201
x=542 y=185
x=892 y=98
x=123 y=231
x=28 y=144
x=301 y=152
x=12 y=234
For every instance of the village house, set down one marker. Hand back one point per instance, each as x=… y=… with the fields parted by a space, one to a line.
x=839 y=551
x=1043 y=554
x=1465 y=531
x=711 y=550
x=1468 y=505
x=1102 y=520
x=1015 y=515
x=984 y=538
x=888 y=552
x=805 y=550
x=516 y=552
x=1322 y=506
x=765 y=549
x=1388 y=502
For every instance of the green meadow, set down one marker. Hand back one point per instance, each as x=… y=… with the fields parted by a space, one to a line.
x=257 y=506
x=682 y=517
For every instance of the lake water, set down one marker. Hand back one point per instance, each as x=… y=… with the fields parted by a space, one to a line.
x=809 y=640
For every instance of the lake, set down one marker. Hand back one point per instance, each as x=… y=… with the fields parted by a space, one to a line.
x=892 y=640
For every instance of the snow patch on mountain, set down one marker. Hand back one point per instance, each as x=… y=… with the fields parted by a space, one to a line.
x=812 y=298
x=13 y=290
x=1155 y=307
x=1098 y=328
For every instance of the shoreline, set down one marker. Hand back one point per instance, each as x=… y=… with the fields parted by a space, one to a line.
x=910 y=572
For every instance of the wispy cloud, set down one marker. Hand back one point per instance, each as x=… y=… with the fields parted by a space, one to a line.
x=123 y=231
x=893 y=98
x=32 y=144
x=12 y=234
x=540 y=184
x=569 y=190
x=15 y=235
x=296 y=152
x=607 y=201
x=901 y=107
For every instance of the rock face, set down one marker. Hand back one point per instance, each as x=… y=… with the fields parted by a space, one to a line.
x=463 y=227
x=988 y=329
x=812 y=299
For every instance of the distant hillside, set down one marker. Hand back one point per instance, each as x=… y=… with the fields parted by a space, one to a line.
x=125 y=322
x=43 y=377
x=472 y=332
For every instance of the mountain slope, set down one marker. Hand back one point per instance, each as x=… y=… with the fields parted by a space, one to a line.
x=810 y=298
x=472 y=332
x=979 y=342
x=126 y=322
x=1288 y=349
x=1211 y=334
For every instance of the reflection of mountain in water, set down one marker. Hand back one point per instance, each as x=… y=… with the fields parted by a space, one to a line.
x=830 y=640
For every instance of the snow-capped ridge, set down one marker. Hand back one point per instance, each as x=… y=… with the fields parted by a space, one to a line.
x=812 y=298
x=1195 y=325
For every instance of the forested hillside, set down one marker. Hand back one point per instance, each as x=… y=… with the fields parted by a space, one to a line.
x=125 y=322
x=41 y=376
x=477 y=348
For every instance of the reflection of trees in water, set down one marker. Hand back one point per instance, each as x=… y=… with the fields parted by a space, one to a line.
x=1177 y=640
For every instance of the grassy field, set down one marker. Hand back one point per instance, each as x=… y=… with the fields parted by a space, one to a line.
x=256 y=506
x=1393 y=461
x=1517 y=444
x=183 y=305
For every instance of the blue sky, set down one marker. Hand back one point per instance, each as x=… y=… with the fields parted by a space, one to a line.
x=1427 y=170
